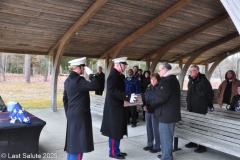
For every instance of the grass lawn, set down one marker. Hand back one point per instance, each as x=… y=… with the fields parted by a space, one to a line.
x=36 y=94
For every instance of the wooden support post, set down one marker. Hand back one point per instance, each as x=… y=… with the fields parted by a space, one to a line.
x=106 y=72
x=54 y=84
x=148 y=63
x=206 y=71
x=181 y=63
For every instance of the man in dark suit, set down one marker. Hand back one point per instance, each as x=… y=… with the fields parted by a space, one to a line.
x=199 y=98
x=101 y=80
x=114 y=123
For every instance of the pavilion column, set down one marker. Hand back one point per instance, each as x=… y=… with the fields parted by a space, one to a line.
x=206 y=71
x=54 y=83
x=147 y=62
x=106 y=72
x=64 y=40
x=181 y=63
x=214 y=65
x=180 y=79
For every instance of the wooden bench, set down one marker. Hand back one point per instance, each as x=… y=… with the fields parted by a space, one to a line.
x=184 y=96
x=97 y=104
x=219 y=130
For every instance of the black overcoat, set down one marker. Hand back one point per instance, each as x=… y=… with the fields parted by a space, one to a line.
x=167 y=98
x=79 y=136
x=200 y=94
x=101 y=80
x=114 y=123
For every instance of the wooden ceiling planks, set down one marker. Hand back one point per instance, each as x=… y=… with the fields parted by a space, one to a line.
x=36 y=26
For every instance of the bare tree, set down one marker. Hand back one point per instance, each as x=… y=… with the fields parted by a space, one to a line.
x=27 y=67
x=47 y=66
x=220 y=73
x=2 y=67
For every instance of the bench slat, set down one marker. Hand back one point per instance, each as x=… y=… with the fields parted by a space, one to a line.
x=217 y=134
x=200 y=124
x=208 y=142
x=212 y=119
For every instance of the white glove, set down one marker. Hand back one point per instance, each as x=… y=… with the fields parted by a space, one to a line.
x=88 y=70
x=133 y=98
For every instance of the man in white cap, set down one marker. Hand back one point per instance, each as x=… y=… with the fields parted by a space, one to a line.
x=79 y=136
x=114 y=123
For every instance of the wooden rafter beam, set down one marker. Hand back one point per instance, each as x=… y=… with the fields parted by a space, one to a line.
x=23 y=52
x=221 y=55
x=82 y=55
x=148 y=26
x=210 y=46
x=79 y=23
x=163 y=50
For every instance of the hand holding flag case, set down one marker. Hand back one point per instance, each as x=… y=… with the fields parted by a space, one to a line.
x=18 y=113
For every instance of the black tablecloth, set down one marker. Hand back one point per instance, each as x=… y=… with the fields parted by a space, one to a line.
x=19 y=138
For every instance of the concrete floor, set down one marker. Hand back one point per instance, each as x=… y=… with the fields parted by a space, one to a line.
x=52 y=141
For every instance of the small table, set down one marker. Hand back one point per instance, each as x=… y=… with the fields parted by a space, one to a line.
x=20 y=138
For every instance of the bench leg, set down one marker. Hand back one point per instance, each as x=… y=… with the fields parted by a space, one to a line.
x=175 y=147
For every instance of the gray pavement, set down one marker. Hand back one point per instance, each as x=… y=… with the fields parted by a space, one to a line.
x=52 y=141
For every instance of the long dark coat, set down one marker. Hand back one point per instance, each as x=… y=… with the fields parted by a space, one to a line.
x=114 y=123
x=79 y=136
x=200 y=94
x=101 y=80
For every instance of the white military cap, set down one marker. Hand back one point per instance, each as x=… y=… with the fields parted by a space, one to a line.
x=78 y=62
x=120 y=60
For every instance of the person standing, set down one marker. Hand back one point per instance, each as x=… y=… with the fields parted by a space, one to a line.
x=101 y=80
x=146 y=82
x=235 y=104
x=227 y=88
x=114 y=123
x=135 y=71
x=167 y=107
x=140 y=77
x=152 y=125
x=132 y=85
x=79 y=136
x=199 y=98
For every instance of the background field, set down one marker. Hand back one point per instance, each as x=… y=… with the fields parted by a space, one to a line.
x=37 y=94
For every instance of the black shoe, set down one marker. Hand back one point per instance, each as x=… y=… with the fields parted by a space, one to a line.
x=201 y=149
x=133 y=125
x=118 y=157
x=147 y=148
x=123 y=154
x=159 y=156
x=191 y=145
x=155 y=150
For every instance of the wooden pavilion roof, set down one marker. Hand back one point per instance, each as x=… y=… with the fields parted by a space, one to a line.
x=159 y=30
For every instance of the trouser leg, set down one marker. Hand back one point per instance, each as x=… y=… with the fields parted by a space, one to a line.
x=166 y=137
x=133 y=110
x=128 y=114
x=155 y=126
x=149 y=128
x=114 y=145
x=74 y=156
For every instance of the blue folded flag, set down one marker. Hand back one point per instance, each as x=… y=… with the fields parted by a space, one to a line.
x=18 y=113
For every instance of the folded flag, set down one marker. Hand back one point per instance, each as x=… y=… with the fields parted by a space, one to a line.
x=18 y=113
